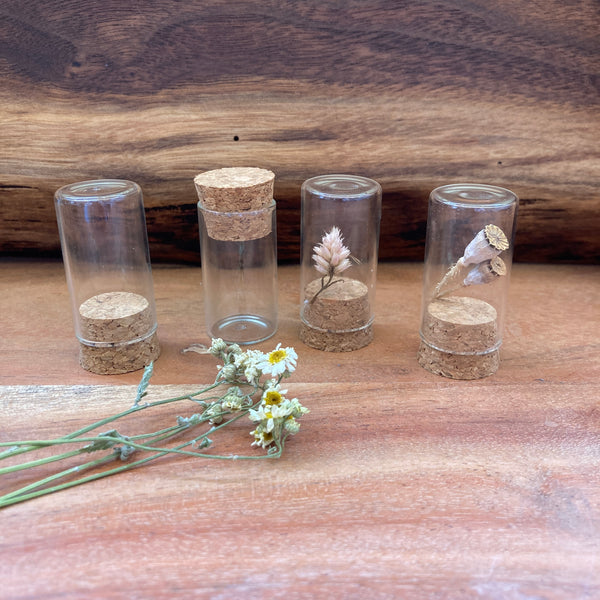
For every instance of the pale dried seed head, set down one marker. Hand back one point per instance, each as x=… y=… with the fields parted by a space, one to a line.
x=485 y=272
x=498 y=266
x=487 y=244
x=342 y=266
x=496 y=237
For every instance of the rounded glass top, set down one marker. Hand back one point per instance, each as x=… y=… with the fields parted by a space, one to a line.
x=350 y=187
x=473 y=194
x=97 y=189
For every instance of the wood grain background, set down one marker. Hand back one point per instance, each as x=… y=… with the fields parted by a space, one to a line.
x=400 y=484
x=414 y=95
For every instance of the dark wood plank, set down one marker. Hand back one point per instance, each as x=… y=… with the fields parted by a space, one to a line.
x=413 y=95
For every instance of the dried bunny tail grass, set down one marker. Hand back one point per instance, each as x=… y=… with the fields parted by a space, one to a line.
x=330 y=256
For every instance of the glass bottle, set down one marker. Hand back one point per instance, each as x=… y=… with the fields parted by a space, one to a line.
x=468 y=258
x=239 y=273
x=104 y=243
x=238 y=247
x=340 y=219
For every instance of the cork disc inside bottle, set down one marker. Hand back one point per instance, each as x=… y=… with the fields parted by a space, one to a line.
x=119 y=333
x=338 y=319
x=459 y=338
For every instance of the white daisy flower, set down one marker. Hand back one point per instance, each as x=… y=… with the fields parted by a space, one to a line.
x=262 y=437
x=273 y=393
x=279 y=361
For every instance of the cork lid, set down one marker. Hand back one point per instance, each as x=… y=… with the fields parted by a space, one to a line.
x=235 y=189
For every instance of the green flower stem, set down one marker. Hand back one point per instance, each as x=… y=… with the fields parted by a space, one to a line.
x=38 y=463
x=169 y=431
x=216 y=411
x=112 y=456
x=21 y=494
x=107 y=420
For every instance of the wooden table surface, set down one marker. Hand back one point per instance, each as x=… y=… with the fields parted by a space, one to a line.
x=400 y=484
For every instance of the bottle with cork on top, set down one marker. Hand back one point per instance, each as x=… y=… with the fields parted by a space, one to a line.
x=104 y=244
x=238 y=247
x=468 y=257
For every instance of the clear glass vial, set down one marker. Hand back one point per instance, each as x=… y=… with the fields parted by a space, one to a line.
x=239 y=273
x=468 y=258
x=340 y=222
x=107 y=264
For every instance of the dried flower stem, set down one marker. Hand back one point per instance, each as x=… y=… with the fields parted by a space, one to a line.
x=481 y=250
x=331 y=257
x=324 y=286
x=241 y=371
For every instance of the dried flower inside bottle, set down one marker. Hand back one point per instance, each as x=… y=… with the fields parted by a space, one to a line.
x=331 y=258
x=487 y=244
x=463 y=301
x=480 y=251
x=340 y=229
x=485 y=272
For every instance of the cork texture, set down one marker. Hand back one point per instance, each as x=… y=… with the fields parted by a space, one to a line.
x=119 y=329
x=459 y=333
x=121 y=358
x=235 y=202
x=238 y=227
x=338 y=319
x=235 y=189
x=458 y=366
x=115 y=317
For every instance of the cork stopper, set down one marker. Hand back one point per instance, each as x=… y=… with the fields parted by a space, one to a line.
x=338 y=319
x=235 y=202
x=119 y=332
x=235 y=189
x=458 y=333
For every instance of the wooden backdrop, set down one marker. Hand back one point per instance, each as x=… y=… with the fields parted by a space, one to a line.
x=413 y=94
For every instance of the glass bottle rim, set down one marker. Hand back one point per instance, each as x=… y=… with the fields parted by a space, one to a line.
x=476 y=195
x=340 y=186
x=97 y=190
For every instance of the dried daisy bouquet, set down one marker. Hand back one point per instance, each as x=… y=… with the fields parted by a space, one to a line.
x=247 y=385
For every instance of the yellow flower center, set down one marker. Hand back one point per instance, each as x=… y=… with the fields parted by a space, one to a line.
x=277 y=356
x=272 y=397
